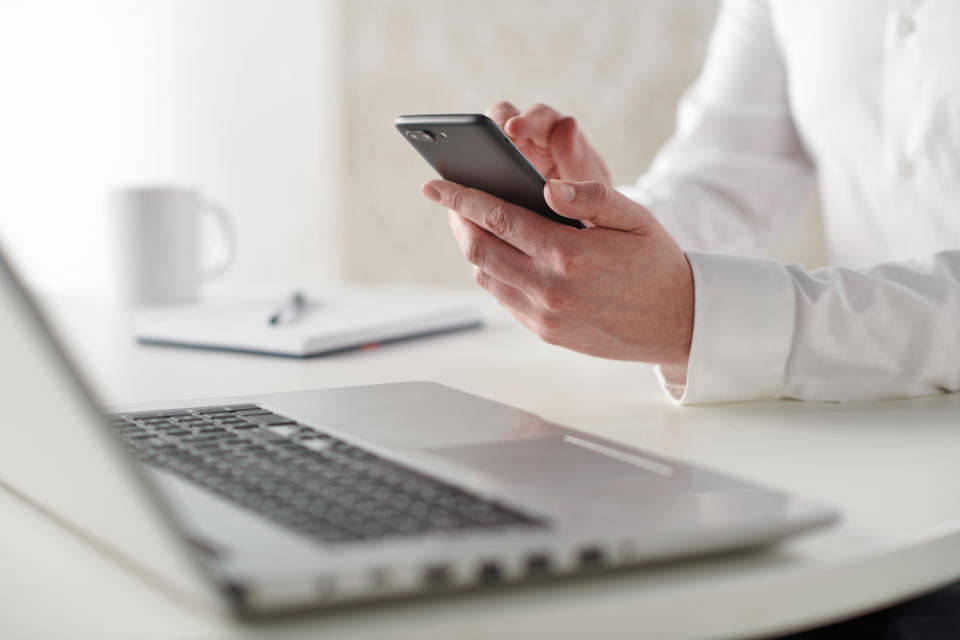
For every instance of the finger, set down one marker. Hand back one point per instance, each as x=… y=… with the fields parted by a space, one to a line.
x=493 y=255
x=598 y=204
x=509 y=297
x=500 y=112
x=563 y=135
x=535 y=123
x=566 y=147
x=522 y=318
x=513 y=300
x=529 y=323
x=529 y=232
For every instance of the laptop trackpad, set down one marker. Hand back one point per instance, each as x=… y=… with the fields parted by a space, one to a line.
x=561 y=467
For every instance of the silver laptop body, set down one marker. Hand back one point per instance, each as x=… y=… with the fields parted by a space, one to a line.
x=585 y=503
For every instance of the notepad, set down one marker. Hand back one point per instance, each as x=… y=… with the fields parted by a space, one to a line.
x=330 y=322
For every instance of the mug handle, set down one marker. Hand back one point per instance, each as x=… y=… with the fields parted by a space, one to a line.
x=222 y=218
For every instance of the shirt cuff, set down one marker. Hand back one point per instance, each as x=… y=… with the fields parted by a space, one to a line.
x=742 y=330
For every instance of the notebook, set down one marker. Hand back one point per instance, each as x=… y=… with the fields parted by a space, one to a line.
x=330 y=321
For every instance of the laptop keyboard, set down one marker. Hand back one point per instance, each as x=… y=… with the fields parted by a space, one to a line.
x=302 y=478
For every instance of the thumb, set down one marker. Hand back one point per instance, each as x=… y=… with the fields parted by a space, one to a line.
x=597 y=205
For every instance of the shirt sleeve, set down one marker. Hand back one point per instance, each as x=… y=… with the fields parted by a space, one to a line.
x=742 y=330
x=833 y=334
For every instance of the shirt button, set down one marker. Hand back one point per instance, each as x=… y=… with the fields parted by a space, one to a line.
x=904 y=168
x=905 y=26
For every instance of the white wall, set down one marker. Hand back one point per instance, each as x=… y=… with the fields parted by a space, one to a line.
x=229 y=95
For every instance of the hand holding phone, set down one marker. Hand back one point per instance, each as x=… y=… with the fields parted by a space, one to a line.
x=470 y=149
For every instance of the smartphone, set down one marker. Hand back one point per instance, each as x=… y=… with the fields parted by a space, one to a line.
x=470 y=149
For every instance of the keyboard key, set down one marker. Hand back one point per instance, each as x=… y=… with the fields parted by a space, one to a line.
x=315 y=445
x=273 y=419
x=210 y=410
x=205 y=444
x=200 y=437
x=307 y=432
x=262 y=434
x=167 y=413
x=242 y=407
x=138 y=435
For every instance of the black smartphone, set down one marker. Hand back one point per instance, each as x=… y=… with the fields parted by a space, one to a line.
x=470 y=149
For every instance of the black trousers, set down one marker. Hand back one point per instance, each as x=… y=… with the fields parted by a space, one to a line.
x=935 y=616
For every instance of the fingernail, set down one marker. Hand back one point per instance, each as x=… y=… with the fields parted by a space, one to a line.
x=431 y=192
x=562 y=191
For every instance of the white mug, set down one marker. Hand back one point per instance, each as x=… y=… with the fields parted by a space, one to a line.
x=156 y=244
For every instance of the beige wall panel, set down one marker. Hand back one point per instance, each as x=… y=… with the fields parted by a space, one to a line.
x=619 y=66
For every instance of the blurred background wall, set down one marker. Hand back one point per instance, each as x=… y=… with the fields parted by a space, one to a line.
x=235 y=97
x=619 y=66
x=283 y=109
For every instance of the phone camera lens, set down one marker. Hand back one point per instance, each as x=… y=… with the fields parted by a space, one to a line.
x=421 y=136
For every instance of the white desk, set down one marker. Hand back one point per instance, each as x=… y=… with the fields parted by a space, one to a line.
x=891 y=467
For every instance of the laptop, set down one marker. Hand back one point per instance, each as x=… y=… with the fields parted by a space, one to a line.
x=269 y=503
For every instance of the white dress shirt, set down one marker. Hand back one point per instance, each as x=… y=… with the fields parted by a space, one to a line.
x=862 y=98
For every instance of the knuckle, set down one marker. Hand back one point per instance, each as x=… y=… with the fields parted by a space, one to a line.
x=597 y=191
x=605 y=194
x=547 y=334
x=481 y=277
x=545 y=114
x=566 y=262
x=473 y=249
x=497 y=220
x=553 y=298
x=457 y=200
x=549 y=321
x=500 y=108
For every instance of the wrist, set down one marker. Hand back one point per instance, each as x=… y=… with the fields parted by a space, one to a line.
x=682 y=320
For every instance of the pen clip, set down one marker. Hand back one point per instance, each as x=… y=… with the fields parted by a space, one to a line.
x=289 y=311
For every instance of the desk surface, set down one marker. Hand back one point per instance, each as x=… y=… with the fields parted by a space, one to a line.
x=890 y=467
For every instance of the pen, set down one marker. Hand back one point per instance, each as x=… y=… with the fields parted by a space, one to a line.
x=290 y=310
